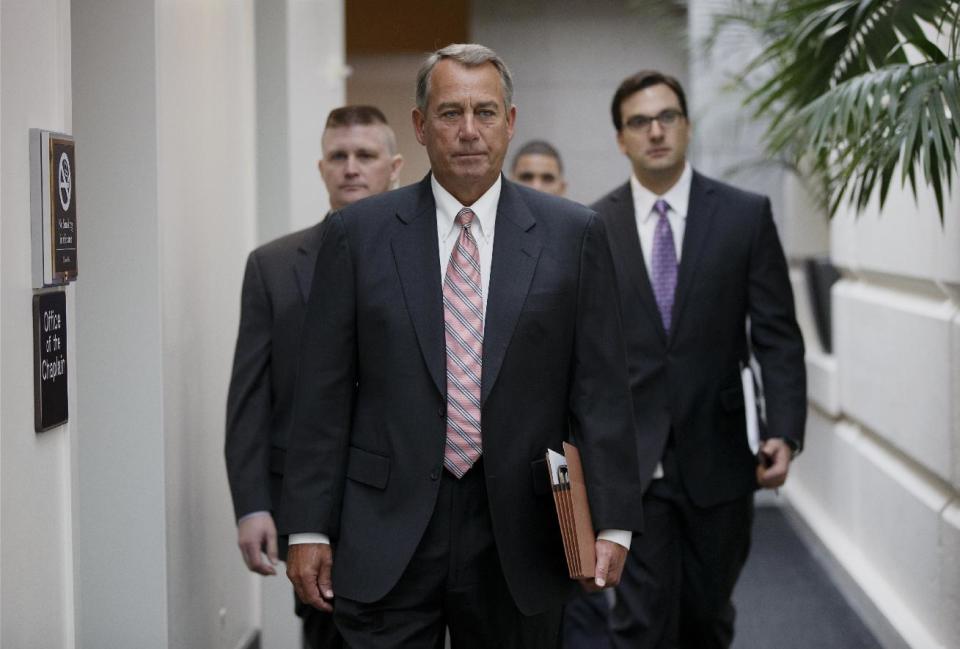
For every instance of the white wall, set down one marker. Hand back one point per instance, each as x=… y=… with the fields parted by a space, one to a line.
x=300 y=74
x=884 y=413
x=166 y=121
x=36 y=568
x=879 y=480
x=206 y=202
x=567 y=60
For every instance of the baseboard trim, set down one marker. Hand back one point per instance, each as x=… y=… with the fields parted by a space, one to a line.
x=858 y=599
x=250 y=641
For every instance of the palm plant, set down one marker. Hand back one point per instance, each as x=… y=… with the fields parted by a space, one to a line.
x=856 y=89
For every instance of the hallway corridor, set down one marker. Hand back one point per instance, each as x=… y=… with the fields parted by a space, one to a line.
x=787 y=599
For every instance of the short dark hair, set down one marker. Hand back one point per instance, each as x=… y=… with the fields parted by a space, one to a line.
x=355 y=115
x=639 y=81
x=537 y=147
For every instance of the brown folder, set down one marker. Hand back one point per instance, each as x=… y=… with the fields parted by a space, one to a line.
x=573 y=511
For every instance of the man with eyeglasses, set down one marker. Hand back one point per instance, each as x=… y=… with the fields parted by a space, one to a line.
x=703 y=284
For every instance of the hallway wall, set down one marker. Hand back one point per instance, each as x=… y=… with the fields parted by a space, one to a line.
x=117 y=528
x=206 y=209
x=36 y=566
x=567 y=59
x=879 y=479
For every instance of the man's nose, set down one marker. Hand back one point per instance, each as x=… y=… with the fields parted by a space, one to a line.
x=468 y=128
x=352 y=167
x=656 y=130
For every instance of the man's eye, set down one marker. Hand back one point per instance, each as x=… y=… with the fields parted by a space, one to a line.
x=338 y=157
x=526 y=177
x=449 y=114
x=486 y=113
x=639 y=121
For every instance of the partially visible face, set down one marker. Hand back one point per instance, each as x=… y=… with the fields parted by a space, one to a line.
x=466 y=127
x=541 y=172
x=658 y=150
x=357 y=163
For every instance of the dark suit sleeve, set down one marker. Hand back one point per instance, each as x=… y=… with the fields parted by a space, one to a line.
x=324 y=394
x=600 y=399
x=247 y=445
x=775 y=335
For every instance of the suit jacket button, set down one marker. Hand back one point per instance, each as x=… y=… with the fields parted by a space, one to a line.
x=442 y=411
x=435 y=474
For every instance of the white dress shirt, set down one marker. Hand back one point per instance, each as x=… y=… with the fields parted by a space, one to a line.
x=678 y=198
x=482 y=228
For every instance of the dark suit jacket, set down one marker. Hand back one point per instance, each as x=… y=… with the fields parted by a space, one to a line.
x=366 y=450
x=276 y=286
x=688 y=380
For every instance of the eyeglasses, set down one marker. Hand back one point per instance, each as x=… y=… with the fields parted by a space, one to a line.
x=666 y=119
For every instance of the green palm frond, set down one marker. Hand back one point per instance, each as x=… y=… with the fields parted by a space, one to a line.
x=854 y=89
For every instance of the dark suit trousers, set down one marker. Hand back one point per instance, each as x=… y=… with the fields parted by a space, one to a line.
x=680 y=573
x=454 y=581
x=319 y=631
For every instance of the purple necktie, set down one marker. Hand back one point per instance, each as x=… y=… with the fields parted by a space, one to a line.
x=664 y=264
x=463 y=322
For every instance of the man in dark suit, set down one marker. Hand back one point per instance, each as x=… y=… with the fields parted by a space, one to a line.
x=463 y=325
x=359 y=160
x=703 y=283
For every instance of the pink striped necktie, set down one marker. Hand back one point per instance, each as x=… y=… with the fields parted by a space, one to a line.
x=463 y=322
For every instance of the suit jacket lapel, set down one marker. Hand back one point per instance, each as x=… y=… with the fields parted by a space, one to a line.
x=516 y=249
x=626 y=239
x=417 y=255
x=306 y=261
x=696 y=231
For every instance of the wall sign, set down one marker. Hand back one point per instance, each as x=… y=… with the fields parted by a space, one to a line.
x=53 y=208
x=49 y=360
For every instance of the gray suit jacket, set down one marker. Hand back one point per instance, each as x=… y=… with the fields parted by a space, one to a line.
x=276 y=286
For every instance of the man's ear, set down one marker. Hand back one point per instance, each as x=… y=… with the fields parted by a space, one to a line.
x=396 y=164
x=419 y=121
x=511 y=121
x=620 y=144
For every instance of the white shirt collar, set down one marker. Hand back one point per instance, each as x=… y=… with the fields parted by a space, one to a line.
x=484 y=208
x=678 y=196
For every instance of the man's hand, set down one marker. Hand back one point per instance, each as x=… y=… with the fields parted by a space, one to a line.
x=775 y=463
x=610 y=559
x=257 y=534
x=309 y=567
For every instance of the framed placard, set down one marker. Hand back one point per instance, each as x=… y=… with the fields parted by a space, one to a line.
x=49 y=360
x=53 y=208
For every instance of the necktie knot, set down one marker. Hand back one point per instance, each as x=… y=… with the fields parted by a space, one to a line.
x=465 y=217
x=661 y=207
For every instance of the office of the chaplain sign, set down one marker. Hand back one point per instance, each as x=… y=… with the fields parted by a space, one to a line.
x=49 y=359
x=53 y=208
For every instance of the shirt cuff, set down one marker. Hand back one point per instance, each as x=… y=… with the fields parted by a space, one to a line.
x=620 y=537
x=262 y=512
x=308 y=537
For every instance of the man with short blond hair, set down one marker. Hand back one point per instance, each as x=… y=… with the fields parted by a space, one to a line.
x=359 y=160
